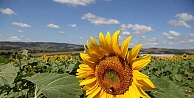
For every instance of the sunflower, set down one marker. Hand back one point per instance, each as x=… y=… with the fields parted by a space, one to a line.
x=31 y=67
x=110 y=70
x=70 y=58
x=185 y=56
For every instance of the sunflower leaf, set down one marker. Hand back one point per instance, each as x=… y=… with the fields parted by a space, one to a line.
x=54 y=85
x=70 y=68
x=7 y=74
x=17 y=94
x=167 y=89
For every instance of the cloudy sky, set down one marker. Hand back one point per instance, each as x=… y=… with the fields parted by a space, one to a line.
x=154 y=23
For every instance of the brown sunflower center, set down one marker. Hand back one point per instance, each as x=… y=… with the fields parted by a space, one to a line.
x=114 y=75
x=111 y=76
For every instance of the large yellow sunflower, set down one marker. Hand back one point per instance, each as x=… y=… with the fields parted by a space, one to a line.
x=111 y=71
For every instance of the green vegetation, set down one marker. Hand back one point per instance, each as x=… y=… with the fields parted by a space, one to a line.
x=173 y=78
x=52 y=76
x=25 y=76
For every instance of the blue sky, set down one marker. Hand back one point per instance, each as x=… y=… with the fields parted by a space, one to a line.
x=154 y=23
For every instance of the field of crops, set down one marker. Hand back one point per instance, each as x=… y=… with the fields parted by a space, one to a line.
x=53 y=76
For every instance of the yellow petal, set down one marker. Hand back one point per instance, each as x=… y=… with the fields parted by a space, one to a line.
x=85 y=66
x=88 y=92
x=94 y=93
x=109 y=95
x=115 y=43
x=138 y=65
x=120 y=96
x=144 y=95
x=90 y=64
x=109 y=42
x=84 y=71
x=93 y=50
x=100 y=94
x=134 y=92
x=147 y=84
x=93 y=42
x=147 y=57
x=92 y=89
x=104 y=95
x=126 y=94
x=103 y=42
x=136 y=83
x=86 y=57
x=90 y=86
x=85 y=74
x=87 y=81
x=132 y=54
x=124 y=46
x=139 y=75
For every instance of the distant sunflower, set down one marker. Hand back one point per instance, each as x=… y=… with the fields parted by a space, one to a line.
x=70 y=58
x=31 y=67
x=110 y=70
x=185 y=56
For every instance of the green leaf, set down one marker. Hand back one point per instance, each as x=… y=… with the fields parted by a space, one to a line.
x=7 y=74
x=178 y=77
x=167 y=89
x=17 y=94
x=70 y=68
x=191 y=96
x=24 y=52
x=54 y=85
x=19 y=77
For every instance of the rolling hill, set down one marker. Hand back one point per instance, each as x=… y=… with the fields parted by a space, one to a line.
x=41 y=47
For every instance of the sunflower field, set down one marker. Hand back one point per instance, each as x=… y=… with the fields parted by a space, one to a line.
x=25 y=76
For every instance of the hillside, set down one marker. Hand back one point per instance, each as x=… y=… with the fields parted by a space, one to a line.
x=37 y=47
x=167 y=51
x=41 y=47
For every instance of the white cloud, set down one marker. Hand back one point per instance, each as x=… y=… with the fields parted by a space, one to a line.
x=107 y=0
x=80 y=37
x=141 y=28
x=123 y=27
x=22 y=36
x=171 y=43
x=52 y=26
x=76 y=2
x=182 y=41
x=174 y=33
x=185 y=16
x=7 y=11
x=152 y=39
x=20 y=30
x=73 y=25
x=153 y=43
x=122 y=37
x=13 y=38
x=167 y=35
x=191 y=34
x=143 y=36
x=171 y=34
x=179 y=23
x=24 y=25
x=61 y=32
x=99 y=20
x=28 y=39
x=191 y=40
x=126 y=33
x=138 y=29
